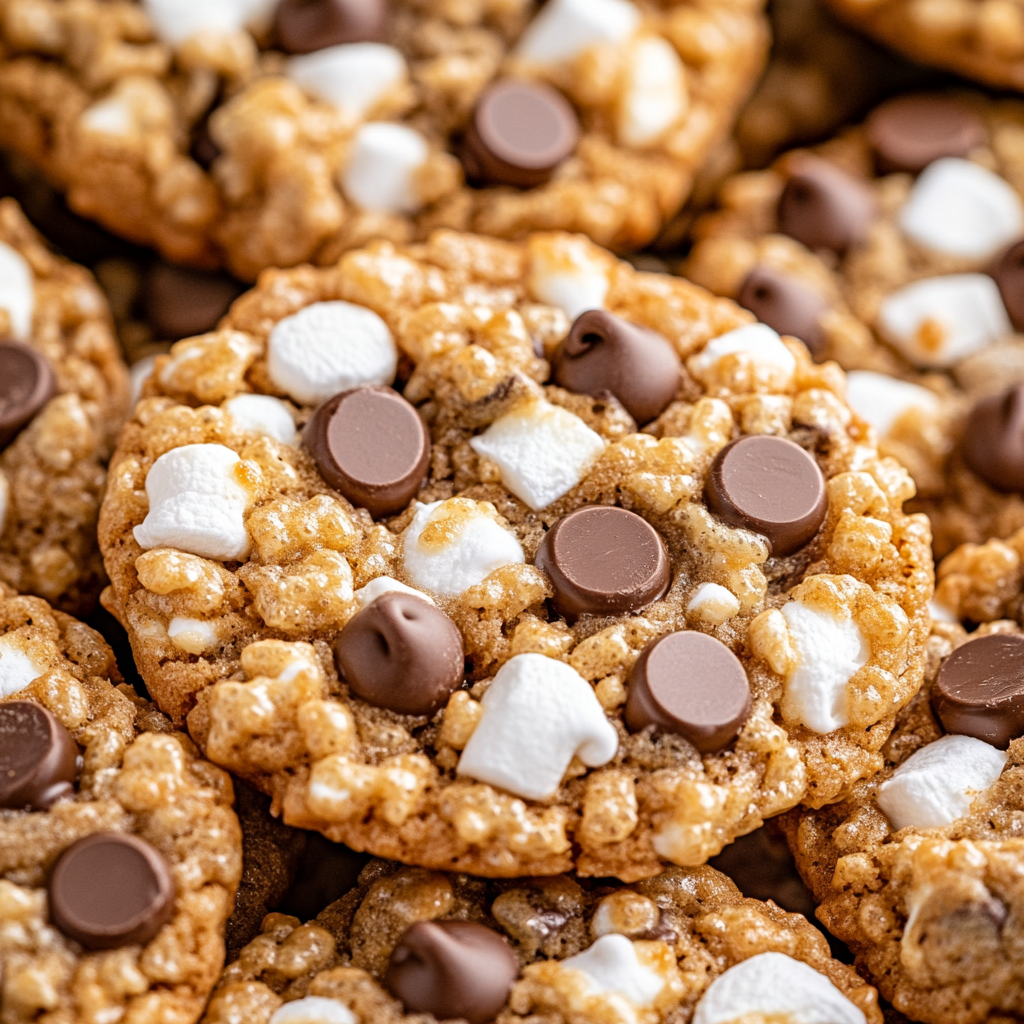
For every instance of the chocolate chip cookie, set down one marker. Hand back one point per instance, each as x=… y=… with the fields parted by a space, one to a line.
x=504 y=557
x=119 y=851
x=414 y=945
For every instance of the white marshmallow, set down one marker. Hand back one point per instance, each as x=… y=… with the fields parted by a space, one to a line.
x=313 y=1010
x=382 y=168
x=329 y=347
x=937 y=784
x=882 y=400
x=756 y=341
x=962 y=209
x=655 y=95
x=831 y=650
x=111 y=116
x=775 y=986
x=17 y=291
x=940 y=613
x=192 y=635
x=542 y=450
x=569 y=279
x=17 y=669
x=472 y=546
x=937 y=321
x=196 y=503
x=139 y=374
x=538 y=714
x=611 y=965
x=386 y=585
x=711 y=602
x=178 y=20
x=264 y=415
x=353 y=77
x=565 y=28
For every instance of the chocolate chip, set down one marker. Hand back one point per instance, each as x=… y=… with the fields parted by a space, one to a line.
x=38 y=757
x=771 y=486
x=452 y=969
x=603 y=352
x=303 y=26
x=372 y=446
x=993 y=440
x=979 y=690
x=401 y=653
x=110 y=890
x=179 y=303
x=518 y=134
x=26 y=384
x=909 y=132
x=824 y=207
x=603 y=560
x=1009 y=276
x=786 y=305
x=691 y=684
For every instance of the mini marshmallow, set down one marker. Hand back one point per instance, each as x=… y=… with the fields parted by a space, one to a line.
x=937 y=321
x=196 y=503
x=757 y=341
x=940 y=613
x=962 y=209
x=192 y=635
x=774 y=986
x=386 y=585
x=139 y=374
x=542 y=450
x=713 y=603
x=178 y=20
x=655 y=96
x=937 y=784
x=329 y=347
x=382 y=168
x=569 y=278
x=882 y=400
x=313 y=1010
x=264 y=415
x=17 y=291
x=353 y=77
x=463 y=546
x=17 y=669
x=538 y=714
x=831 y=650
x=563 y=29
x=611 y=965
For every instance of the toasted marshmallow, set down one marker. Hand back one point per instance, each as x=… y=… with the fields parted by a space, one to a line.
x=192 y=635
x=756 y=342
x=17 y=291
x=17 y=667
x=568 y=276
x=611 y=965
x=353 y=77
x=382 y=585
x=382 y=169
x=882 y=400
x=264 y=415
x=563 y=29
x=713 y=603
x=655 y=96
x=313 y=1010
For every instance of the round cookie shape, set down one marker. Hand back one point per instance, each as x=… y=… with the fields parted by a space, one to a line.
x=452 y=969
x=691 y=684
x=110 y=890
x=26 y=384
x=370 y=444
x=519 y=133
x=909 y=132
x=1008 y=272
x=993 y=441
x=979 y=690
x=603 y=352
x=603 y=560
x=769 y=485
x=401 y=653
x=38 y=757
x=304 y=26
x=785 y=305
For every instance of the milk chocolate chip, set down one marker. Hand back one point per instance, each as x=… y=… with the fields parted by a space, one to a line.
x=303 y=26
x=785 y=305
x=993 y=442
x=518 y=134
x=26 y=384
x=452 y=969
x=401 y=653
x=1009 y=276
x=979 y=690
x=603 y=352
x=180 y=303
x=771 y=486
x=909 y=132
x=604 y=560
x=372 y=446
x=824 y=207
x=110 y=890
x=38 y=757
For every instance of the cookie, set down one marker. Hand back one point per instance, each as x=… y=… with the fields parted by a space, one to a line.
x=119 y=851
x=918 y=871
x=385 y=609
x=412 y=945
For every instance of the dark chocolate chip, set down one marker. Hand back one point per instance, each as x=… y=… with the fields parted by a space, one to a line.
x=909 y=132
x=452 y=969
x=38 y=757
x=1008 y=272
x=401 y=653
x=370 y=444
x=691 y=684
x=110 y=890
x=993 y=440
x=518 y=134
x=786 y=305
x=604 y=560
x=180 y=303
x=824 y=207
x=603 y=352
x=26 y=384
x=979 y=690
x=303 y=26
x=771 y=486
